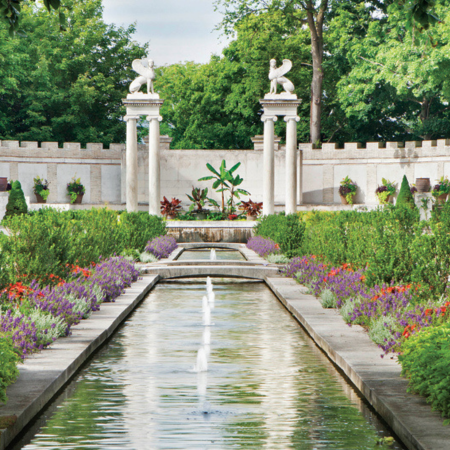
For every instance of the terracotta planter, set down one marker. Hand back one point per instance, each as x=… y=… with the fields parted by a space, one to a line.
x=423 y=185
x=343 y=199
x=40 y=199
x=79 y=198
x=441 y=199
x=250 y=217
x=171 y=216
x=3 y=184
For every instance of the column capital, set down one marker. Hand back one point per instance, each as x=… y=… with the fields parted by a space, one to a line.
x=288 y=118
x=130 y=117
x=158 y=118
x=266 y=117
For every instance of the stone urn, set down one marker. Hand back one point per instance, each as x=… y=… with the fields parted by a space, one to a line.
x=423 y=185
x=3 y=184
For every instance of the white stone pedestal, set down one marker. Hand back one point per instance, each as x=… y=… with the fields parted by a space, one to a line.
x=137 y=105
x=280 y=105
x=424 y=202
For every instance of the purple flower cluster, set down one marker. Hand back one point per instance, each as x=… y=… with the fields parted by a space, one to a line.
x=21 y=331
x=108 y=280
x=162 y=246
x=370 y=304
x=262 y=246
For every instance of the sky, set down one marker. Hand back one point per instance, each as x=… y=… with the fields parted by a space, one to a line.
x=177 y=30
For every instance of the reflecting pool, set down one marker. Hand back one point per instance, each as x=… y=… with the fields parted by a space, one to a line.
x=266 y=386
x=205 y=254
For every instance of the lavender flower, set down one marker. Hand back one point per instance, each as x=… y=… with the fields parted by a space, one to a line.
x=162 y=246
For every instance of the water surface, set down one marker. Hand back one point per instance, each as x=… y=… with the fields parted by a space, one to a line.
x=267 y=387
x=204 y=254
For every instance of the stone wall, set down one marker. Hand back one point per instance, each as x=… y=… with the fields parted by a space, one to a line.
x=103 y=171
x=323 y=169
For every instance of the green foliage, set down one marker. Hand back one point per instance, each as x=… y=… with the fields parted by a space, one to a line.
x=287 y=231
x=43 y=243
x=274 y=258
x=16 y=203
x=404 y=196
x=380 y=330
x=75 y=188
x=41 y=187
x=225 y=181
x=328 y=299
x=65 y=86
x=425 y=361
x=8 y=367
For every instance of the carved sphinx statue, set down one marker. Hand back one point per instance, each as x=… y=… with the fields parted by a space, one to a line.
x=276 y=76
x=144 y=67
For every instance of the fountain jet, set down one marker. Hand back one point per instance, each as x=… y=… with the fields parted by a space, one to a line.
x=207 y=316
x=202 y=361
x=212 y=256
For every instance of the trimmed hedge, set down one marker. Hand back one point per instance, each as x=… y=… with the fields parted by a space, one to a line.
x=425 y=361
x=391 y=242
x=8 y=367
x=44 y=242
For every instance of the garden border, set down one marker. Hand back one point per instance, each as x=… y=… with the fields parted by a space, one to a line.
x=44 y=374
x=377 y=379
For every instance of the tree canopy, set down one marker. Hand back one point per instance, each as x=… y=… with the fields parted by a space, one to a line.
x=65 y=86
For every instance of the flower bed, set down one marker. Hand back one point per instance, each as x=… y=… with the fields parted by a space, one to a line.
x=263 y=246
x=32 y=317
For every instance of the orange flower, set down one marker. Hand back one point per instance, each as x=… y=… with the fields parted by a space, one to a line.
x=428 y=312
x=362 y=278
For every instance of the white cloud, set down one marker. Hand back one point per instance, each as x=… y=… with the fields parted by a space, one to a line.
x=177 y=30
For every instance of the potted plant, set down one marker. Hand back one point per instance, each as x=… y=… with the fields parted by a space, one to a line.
x=385 y=191
x=199 y=199
x=252 y=209
x=41 y=190
x=347 y=190
x=170 y=209
x=75 y=190
x=413 y=189
x=441 y=190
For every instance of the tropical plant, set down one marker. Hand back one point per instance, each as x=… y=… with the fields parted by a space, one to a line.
x=199 y=198
x=41 y=187
x=347 y=189
x=385 y=190
x=16 y=201
x=75 y=188
x=226 y=182
x=170 y=208
x=252 y=208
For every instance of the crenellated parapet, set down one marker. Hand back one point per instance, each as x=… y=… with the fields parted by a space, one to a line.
x=397 y=150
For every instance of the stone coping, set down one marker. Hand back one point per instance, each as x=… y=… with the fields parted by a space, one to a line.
x=210 y=224
x=358 y=357
x=44 y=374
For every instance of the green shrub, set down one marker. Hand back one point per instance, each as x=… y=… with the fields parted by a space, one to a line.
x=274 y=258
x=405 y=198
x=286 y=231
x=425 y=361
x=16 y=201
x=328 y=299
x=44 y=242
x=8 y=367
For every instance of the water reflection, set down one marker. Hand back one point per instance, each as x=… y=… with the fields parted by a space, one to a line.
x=267 y=385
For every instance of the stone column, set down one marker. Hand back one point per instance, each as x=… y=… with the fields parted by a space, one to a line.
x=269 y=166
x=132 y=164
x=154 y=166
x=291 y=163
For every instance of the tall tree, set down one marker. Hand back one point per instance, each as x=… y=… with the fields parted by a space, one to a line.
x=407 y=63
x=65 y=86
x=313 y=15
